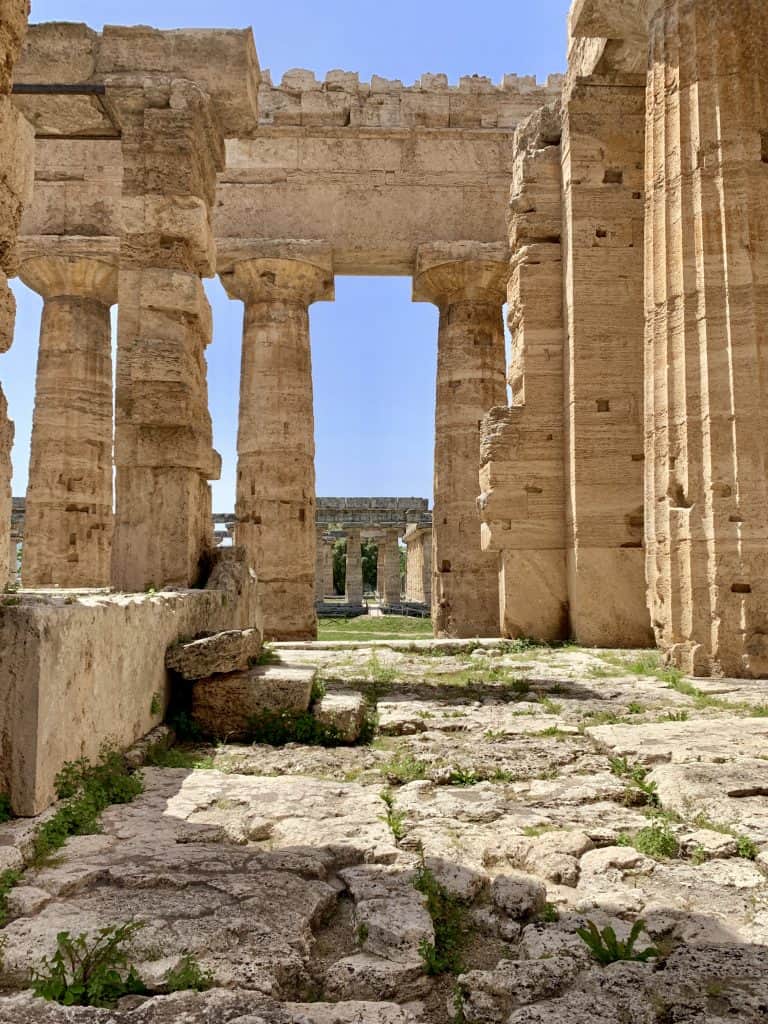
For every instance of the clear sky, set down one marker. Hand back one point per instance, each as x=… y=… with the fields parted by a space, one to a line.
x=373 y=350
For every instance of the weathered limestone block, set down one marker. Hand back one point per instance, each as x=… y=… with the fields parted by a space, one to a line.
x=706 y=310
x=172 y=149
x=6 y=472
x=68 y=512
x=354 y=571
x=224 y=705
x=230 y=651
x=345 y=712
x=522 y=472
x=467 y=281
x=602 y=159
x=275 y=505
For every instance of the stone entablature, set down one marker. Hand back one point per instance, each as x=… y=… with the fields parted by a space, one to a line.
x=343 y=101
x=372 y=512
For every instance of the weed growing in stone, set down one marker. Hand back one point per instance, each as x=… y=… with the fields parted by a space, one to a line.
x=449 y=921
x=746 y=848
x=155 y=705
x=266 y=657
x=549 y=914
x=5 y=808
x=187 y=975
x=276 y=728
x=381 y=675
x=404 y=768
x=86 y=789
x=607 y=949
x=464 y=777
x=393 y=818
x=551 y=706
x=638 y=791
x=178 y=757
x=655 y=840
x=8 y=879
x=84 y=972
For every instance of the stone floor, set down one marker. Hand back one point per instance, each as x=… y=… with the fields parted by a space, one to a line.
x=523 y=776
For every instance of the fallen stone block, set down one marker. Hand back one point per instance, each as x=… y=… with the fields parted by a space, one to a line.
x=344 y=712
x=223 y=706
x=521 y=896
x=230 y=651
x=363 y=976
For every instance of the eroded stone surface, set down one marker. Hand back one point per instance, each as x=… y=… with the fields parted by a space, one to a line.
x=224 y=706
x=229 y=651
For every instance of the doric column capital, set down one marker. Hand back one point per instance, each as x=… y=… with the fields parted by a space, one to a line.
x=448 y=272
x=86 y=270
x=262 y=270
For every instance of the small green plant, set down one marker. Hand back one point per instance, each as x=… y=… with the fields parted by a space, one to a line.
x=319 y=690
x=362 y=933
x=188 y=975
x=404 y=768
x=393 y=818
x=267 y=657
x=459 y=1017
x=636 y=708
x=549 y=914
x=155 y=705
x=5 y=808
x=380 y=674
x=639 y=790
x=677 y=716
x=8 y=879
x=84 y=972
x=464 y=777
x=449 y=921
x=520 y=687
x=161 y=756
x=746 y=848
x=277 y=728
x=86 y=790
x=551 y=706
x=656 y=840
x=607 y=949
x=699 y=855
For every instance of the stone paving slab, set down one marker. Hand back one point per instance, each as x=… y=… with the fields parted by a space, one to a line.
x=680 y=742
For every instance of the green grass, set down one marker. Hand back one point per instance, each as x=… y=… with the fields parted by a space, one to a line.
x=656 y=840
x=404 y=768
x=449 y=919
x=369 y=627
x=178 y=757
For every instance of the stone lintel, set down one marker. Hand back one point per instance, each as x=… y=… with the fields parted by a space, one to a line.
x=455 y=271
x=222 y=62
x=261 y=269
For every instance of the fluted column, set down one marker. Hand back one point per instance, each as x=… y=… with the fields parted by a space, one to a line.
x=275 y=507
x=706 y=312
x=391 y=567
x=467 y=282
x=16 y=177
x=69 y=494
x=354 y=587
x=328 y=567
x=323 y=559
x=418 y=573
x=172 y=148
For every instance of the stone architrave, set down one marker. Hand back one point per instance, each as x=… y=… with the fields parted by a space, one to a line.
x=354 y=585
x=706 y=310
x=16 y=177
x=172 y=149
x=522 y=470
x=467 y=281
x=275 y=508
x=390 y=564
x=602 y=149
x=68 y=509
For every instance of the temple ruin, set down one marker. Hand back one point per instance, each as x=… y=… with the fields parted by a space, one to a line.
x=620 y=493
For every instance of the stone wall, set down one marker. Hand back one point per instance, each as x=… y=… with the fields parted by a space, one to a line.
x=81 y=670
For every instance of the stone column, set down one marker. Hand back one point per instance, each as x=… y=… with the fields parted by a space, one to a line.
x=354 y=588
x=321 y=565
x=467 y=281
x=69 y=495
x=328 y=567
x=275 y=507
x=522 y=471
x=418 y=578
x=16 y=178
x=706 y=310
x=172 y=149
x=602 y=160
x=391 y=568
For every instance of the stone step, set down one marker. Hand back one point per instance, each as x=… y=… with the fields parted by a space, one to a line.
x=343 y=711
x=223 y=706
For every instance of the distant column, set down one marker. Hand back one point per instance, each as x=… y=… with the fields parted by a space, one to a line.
x=328 y=566
x=354 y=588
x=391 y=569
x=418 y=585
x=69 y=495
x=321 y=561
x=467 y=281
x=275 y=507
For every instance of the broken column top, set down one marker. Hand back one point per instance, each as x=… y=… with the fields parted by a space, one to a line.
x=223 y=62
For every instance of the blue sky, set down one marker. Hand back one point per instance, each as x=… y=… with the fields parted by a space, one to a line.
x=373 y=350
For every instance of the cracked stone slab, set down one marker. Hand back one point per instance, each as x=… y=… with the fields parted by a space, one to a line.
x=228 y=651
x=726 y=739
x=734 y=794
